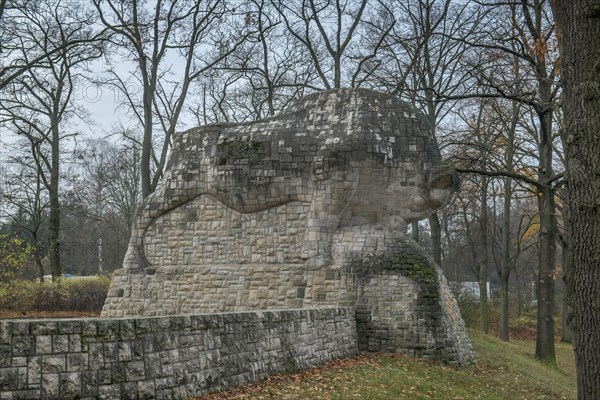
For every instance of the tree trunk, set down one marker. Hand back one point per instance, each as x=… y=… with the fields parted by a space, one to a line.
x=337 y=79
x=505 y=261
x=566 y=330
x=504 y=311
x=38 y=260
x=482 y=260
x=579 y=23
x=54 y=218
x=146 y=171
x=415 y=231
x=544 y=348
x=519 y=295
x=506 y=266
x=436 y=238
x=566 y=336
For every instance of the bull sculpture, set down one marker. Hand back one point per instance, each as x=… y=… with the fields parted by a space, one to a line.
x=356 y=156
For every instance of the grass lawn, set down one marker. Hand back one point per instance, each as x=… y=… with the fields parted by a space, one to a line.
x=504 y=371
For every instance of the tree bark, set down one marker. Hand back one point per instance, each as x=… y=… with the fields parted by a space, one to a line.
x=566 y=336
x=544 y=349
x=53 y=191
x=483 y=259
x=579 y=24
x=436 y=237
x=505 y=261
x=506 y=264
x=546 y=279
x=415 y=231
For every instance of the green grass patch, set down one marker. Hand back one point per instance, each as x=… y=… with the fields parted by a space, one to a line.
x=504 y=371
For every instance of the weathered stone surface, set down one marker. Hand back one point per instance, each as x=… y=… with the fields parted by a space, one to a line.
x=194 y=355
x=301 y=210
x=353 y=156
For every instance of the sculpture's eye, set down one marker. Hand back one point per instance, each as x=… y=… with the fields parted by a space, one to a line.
x=419 y=200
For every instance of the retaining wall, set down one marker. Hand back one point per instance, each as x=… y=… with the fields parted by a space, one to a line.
x=171 y=357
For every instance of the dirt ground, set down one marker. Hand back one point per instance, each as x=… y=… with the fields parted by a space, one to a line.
x=47 y=314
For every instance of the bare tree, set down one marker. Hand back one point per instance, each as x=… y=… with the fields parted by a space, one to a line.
x=523 y=33
x=37 y=104
x=265 y=73
x=24 y=202
x=20 y=54
x=327 y=29
x=113 y=173
x=196 y=33
x=480 y=129
x=100 y=208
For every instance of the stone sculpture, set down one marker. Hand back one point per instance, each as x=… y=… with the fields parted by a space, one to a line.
x=348 y=150
x=304 y=209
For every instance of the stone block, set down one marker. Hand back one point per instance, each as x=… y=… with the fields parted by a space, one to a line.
x=23 y=346
x=118 y=372
x=107 y=329
x=70 y=384
x=53 y=364
x=44 y=327
x=127 y=329
x=69 y=327
x=75 y=343
x=50 y=385
x=89 y=384
x=135 y=371
x=104 y=377
x=77 y=362
x=9 y=379
x=146 y=390
x=20 y=328
x=24 y=394
x=89 y=328
x=60 y=343
x=109 y=392
x=124 y=351
x=111 y=351
x=96 y=355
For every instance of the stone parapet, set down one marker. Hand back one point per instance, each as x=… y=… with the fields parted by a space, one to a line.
x=171 y=357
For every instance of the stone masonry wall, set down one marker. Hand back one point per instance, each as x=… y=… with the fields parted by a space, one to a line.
x=165 y=357
x=205 y=231
x=402 y=300
x=215 y=259
x=404 y=303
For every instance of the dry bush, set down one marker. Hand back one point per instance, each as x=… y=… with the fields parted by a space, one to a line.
x=62 y=295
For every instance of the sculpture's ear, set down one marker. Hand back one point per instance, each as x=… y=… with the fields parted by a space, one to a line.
x=446 y=179
x=441 y=182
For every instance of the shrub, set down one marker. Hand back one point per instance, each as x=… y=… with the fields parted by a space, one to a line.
x=468 y=303
x=14 y=295
x=61 y=295
x=86 y=294
x=14 y=254
x=48 y=295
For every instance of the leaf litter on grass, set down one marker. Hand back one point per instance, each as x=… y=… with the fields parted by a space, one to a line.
x=504 y=371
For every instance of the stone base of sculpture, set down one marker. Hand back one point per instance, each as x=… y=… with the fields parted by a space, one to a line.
x=402 y=300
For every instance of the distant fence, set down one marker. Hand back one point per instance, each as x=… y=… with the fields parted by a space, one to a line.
x=165 y=357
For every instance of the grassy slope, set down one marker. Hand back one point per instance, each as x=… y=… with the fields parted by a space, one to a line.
x=504 y=371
